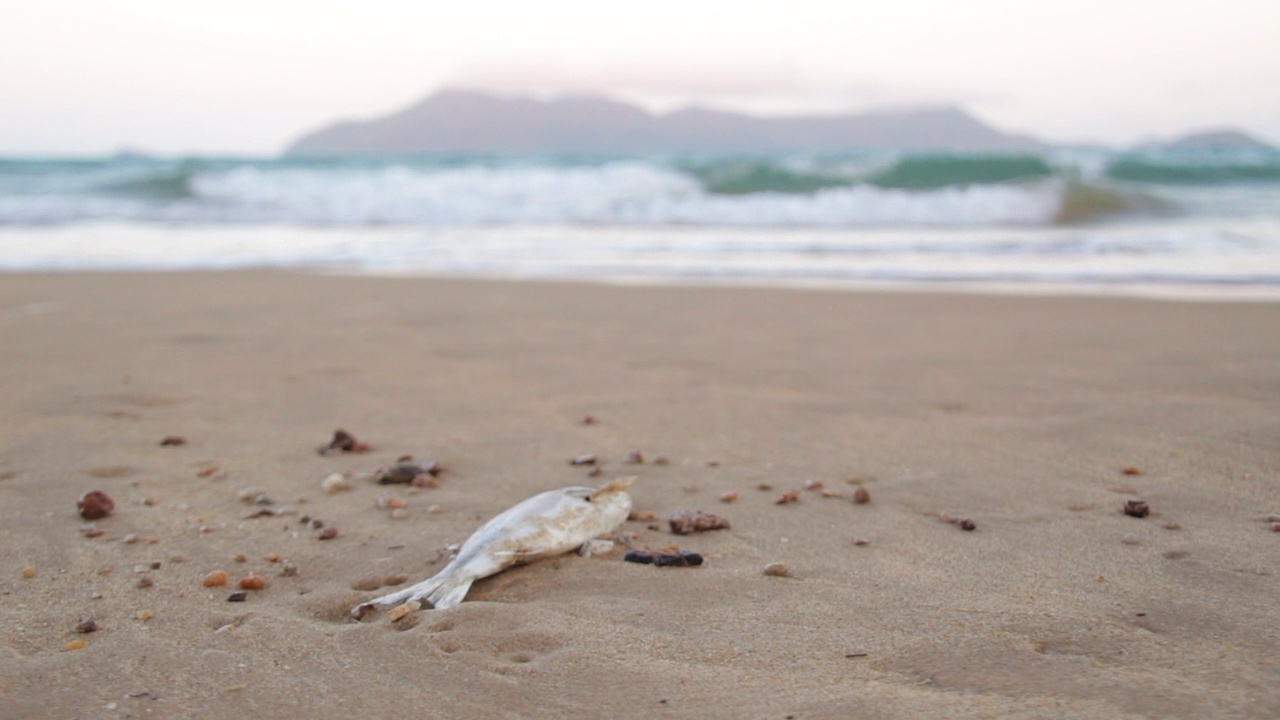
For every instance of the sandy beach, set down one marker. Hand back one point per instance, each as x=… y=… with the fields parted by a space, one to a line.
x=1037 y=418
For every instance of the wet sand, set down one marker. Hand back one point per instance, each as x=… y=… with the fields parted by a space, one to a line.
x=1019 y=413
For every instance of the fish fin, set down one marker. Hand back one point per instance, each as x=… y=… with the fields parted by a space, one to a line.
x=449 y=593
x=613 y=486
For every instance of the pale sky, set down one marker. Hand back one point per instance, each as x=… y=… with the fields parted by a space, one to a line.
x=241 y=76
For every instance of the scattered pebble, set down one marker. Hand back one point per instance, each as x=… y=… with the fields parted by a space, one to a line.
x=1171 y=526
x=813 y=485
x=787 y=498
x=713 y=463
x=1136 y=508
x=435 y=509
x=129 y=539
x=666 y=557
x=400 y=611
x=1130 y=539
x=260 y=512
x=1274 y=517
x=28 y=572
x=343 y=441
x=832 y=494
x=95 y=504
x=1275 y=527
x=777 y=569
x=691 y=521
x=86 y=625
x=252 y=582
x=764 y=487
x=410 y=473
x=387 y=501
x=76 y=645
x=335 y=483
x=145 y=615
x=635 y=457
x=239 y=557
x=328 y=533
x=662 y=460
x=173 y=440
x=641 y=516
x=399 y=514
x=288 y=570
x=861 y=542
x=588 y=419
x=583 y=460
x=1131 y=471
x=237 y=596
x=862 y=496
x=216 y=578
x=247 y=495
x=728 y=496
x=967 y=524
x=595 y=471
x=208 y=471
x=145 y=581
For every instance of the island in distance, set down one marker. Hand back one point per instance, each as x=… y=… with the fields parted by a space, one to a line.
x=459 y=121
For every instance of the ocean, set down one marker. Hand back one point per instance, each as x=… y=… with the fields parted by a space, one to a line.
x=1166 y=222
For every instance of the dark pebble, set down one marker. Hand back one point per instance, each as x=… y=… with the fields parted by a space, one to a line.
x=173 y=440
x=1137 y=508
x=237 y=596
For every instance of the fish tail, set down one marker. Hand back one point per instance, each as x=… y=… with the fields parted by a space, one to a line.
x=445 y=589
x=449 y=592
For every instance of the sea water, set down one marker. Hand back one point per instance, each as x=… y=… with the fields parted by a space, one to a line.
x=1083 y=219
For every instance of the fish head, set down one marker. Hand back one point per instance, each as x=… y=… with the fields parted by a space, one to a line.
x=611 y=500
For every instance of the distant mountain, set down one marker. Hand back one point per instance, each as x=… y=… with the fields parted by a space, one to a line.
x=1216 y=140
x=455 y=121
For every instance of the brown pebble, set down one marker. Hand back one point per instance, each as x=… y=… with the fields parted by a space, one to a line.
x=95 y=504
x=691 y=521
x=252 y=582
x=343 y=441
x=642 y=516
x=28 y=572
x=400 y=611
x=764 y=487
x=240 y=557
x=237 y=596
x=425 y=480
x=1136 y=508
x=588 y=419
x=635 y=457
x=1131 y=471
x=1275 y=527
x=662 y=460
x=966 y=524
x=273 y=557
x=76 y=645
x=777 y=569
x=86 y=625
x=145 y=615
x=328 y=533
x=208 y=471
x=173 y=440
x=861 y=542
x=862 y=496
x=787 y=498
x=216 y=578
x=145 y=581
x=728 y=496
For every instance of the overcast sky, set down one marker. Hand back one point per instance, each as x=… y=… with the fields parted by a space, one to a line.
x=240 y=76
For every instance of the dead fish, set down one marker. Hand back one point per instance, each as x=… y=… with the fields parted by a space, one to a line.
x=546 y=524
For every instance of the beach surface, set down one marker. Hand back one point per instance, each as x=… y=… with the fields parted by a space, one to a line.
x=1036 y=418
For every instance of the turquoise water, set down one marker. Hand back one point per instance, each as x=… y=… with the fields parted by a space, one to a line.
x=1062 y=217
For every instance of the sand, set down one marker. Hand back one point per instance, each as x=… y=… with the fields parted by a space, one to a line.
x=1019 y=413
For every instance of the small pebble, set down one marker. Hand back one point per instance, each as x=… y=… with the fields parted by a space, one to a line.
x=76 y=645
x=1136 y=508
x=216 y=578
x=635 y=457
x=155 y=565
x=145 y=581
x=1275 y=527
x=662 y=460
x=173 y=440
x=247 y=495
x=787 y=498
x=237 y=596
x=588 y=419
x=288 y=570
x=86 y=625
x=966 y=524
x=145 y=615
x=335 y=483
x=813 y=485
x=595 y=471
x=435 y=509
x=777 y=569
x=273 y=557
x=861 y=541
x=691 y=521
x=389 y=501
x=252 y=582
x=862 y=496
x=1131 y=471
x=129 y=539
x=642 y=516
x=400 y=611
x=764 y=487
x=328 y=533
x=583 y=460
x=1275 y=517
x=28 y=572
x=343 y=441
x=399 y=513
x=832 y=494
x=728 y=496
x=95 y=504
x=240 y=558
x=1171 y=526
x=1130 y=539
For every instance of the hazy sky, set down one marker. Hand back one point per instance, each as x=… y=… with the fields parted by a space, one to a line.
x=247 y=76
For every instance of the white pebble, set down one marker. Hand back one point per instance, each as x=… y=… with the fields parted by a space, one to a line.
x=335 y=483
